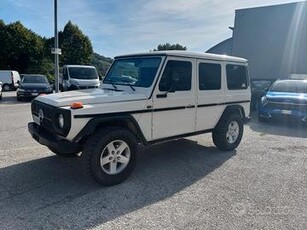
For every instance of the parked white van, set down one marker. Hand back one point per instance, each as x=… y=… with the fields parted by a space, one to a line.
x=79 y=77
x=9 y=79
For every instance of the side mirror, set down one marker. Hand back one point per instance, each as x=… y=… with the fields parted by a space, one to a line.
x=18 y=82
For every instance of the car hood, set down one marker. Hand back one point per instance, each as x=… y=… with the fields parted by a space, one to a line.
x=84 y=82
x=33 y=86
x=297 y=98
x=89 y=96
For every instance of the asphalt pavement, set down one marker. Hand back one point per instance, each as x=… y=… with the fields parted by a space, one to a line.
x=182 y=184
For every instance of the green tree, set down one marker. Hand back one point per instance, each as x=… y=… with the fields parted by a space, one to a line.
x=21 y=50
x=3 y=45
x=76 y=47
x=168 y=46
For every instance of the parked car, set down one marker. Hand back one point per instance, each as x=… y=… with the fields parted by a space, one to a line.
x=79 y=77
x=33 y=85
x=145 y=99
x=259 y=88
x=0 y=90
x=285 y=99
x=9 y=79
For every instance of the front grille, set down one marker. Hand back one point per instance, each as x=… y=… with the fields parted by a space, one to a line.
x=50 y=117
x=287 y=106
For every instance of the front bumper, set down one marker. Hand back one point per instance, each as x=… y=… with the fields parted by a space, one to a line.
x=29 y=94
x=283 y=114
x=49 y=139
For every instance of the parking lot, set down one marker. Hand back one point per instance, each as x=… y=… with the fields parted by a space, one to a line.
x=182 y=184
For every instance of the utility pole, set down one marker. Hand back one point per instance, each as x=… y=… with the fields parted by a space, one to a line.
x=56 y=47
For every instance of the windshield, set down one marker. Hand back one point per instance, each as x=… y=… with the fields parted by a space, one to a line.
x=35 y=79
x=133 y=71
x=82 y=73
x=290 y=86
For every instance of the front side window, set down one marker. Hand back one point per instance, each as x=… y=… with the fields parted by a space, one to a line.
x=209 y=76
x=177 y=76
x=236 y=77
x=82 y=73
x=138 y=72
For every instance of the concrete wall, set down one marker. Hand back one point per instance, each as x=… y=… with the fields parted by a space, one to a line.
x=224 y=47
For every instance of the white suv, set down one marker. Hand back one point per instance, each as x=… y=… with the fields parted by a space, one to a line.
x=145 y=98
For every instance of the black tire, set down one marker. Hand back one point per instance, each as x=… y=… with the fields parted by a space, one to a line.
x=1 y=96
x=98 y=148
x=228 y=133
x=62 y=154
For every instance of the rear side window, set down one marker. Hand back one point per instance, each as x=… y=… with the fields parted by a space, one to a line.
x=177 y=76
x=209 y=76
x=236 y=77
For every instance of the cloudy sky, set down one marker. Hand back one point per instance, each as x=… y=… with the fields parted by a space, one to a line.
x=124 y=26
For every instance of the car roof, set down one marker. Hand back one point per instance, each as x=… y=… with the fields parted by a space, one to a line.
x=28 y=75
x=178 y=53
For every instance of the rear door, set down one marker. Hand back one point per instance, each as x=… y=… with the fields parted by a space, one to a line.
x=210 y=93
x=237 y=87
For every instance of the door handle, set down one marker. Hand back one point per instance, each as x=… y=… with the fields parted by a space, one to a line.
x=190 y=106
x=163 y=95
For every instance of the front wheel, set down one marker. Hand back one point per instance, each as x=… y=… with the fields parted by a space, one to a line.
x=228 y=133
x=110 y=155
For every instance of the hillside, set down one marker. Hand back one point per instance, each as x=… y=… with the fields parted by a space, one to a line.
x=101 y=63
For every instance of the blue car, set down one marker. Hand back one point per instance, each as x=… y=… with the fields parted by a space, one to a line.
x=286 y=99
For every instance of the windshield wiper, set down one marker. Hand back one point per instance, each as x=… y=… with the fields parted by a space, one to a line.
x=115 y=87
x=131 y=86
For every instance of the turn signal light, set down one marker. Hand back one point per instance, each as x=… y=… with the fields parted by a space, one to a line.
x=76 y=105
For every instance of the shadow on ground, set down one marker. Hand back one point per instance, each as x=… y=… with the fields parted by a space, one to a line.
x=52 y=193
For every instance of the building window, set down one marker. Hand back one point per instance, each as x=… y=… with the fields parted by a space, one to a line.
x=209 y=76
x=236 y=77
x=177 y=76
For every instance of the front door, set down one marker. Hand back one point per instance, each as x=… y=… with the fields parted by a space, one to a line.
x=174 y=99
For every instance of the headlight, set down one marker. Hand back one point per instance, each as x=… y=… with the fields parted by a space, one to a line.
x=264 y=101
x=21 y=90
x=61 y=121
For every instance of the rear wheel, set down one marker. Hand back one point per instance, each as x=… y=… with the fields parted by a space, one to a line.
x=228 y=133
x=110 y=155
x=58 y=152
